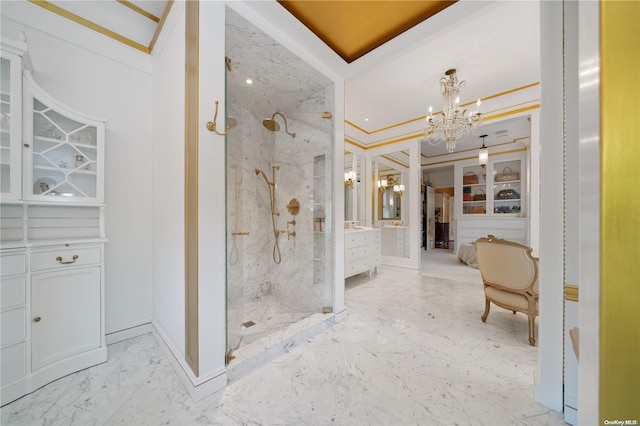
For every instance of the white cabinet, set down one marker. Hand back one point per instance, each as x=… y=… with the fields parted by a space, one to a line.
x=65 y=308
x=51 y=235
x=13 y=316
x=64 y=155
x=493 y=200
x=10 y=123
x=362 y=251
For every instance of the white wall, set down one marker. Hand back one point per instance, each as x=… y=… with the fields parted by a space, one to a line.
x=104 y=79
x=168 y=182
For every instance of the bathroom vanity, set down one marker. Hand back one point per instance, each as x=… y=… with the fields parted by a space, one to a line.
x=362 y=251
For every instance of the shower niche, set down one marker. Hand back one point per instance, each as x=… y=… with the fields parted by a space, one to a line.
x=279 y=198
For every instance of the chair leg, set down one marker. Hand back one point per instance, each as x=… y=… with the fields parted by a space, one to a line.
x=486 y=309
x=532 y=340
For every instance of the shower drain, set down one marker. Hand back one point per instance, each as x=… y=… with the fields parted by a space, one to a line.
x=248 y=324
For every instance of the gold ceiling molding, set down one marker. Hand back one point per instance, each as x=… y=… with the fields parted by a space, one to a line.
x=393 y=160
x=419 y=135
x=455 y=160
x=107 y=32
x=476 y=149
x=165 y=13
x=486 y=117
x=354 y=28
x=139 y=10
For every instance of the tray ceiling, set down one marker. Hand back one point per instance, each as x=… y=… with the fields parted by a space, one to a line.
x=354 y=28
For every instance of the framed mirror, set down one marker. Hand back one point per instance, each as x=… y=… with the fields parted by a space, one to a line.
x=353 y=188
x=389 y=197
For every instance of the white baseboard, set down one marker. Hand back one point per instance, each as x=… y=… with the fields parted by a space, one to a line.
x=197 y=387
x=128 y=333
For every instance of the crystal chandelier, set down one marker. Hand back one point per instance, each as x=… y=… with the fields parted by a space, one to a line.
x=453 y=124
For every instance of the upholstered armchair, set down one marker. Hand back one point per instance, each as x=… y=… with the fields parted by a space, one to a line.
x=510 y=276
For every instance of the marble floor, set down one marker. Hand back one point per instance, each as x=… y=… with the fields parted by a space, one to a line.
x=412 y=351
x=266 y=315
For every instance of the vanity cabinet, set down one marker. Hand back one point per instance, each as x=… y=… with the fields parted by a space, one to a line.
x=362 y=251
x=51 y=234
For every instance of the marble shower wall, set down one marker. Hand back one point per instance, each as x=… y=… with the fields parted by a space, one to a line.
x=286 y=84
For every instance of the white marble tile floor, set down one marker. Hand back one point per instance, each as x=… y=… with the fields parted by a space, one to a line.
x=413 y=351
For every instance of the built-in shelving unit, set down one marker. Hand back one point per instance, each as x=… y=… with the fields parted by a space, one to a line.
x=51 y=234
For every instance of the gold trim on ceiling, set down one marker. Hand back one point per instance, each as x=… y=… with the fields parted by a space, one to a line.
x=139 y=10
x=437 y=163
x=163 y=20
x=354 y=28
x=496 y=95
x=393 y=160
x=419 y=135
x=107 y=32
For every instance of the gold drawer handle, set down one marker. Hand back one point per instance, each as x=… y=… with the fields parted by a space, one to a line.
x=59 y=259
x=240 y=233
x=37 y=319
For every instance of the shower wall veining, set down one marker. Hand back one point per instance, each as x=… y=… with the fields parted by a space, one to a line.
x=283 y=83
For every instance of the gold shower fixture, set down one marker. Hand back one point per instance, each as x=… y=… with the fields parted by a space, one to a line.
x=211 y=125
x=272 y=125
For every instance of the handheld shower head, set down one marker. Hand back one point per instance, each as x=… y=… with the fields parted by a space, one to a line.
x=260 y=172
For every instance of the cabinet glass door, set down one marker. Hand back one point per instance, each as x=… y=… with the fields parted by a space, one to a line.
x=507 y=187
x=10 y=122
x=474 y=186
x=5 y=124
x=65 y=155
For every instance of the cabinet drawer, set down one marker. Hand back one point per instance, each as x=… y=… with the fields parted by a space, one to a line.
x=357 y=266
x=13 y=362
x=13 y=264
x=357 y=252
x=13 y=325
x=13 y=291
x=357 y=239
x=64 y=257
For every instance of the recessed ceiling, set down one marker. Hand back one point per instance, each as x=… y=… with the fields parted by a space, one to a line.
x=354 y=28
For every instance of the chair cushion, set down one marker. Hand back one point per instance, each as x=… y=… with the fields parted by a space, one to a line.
x=507 y=298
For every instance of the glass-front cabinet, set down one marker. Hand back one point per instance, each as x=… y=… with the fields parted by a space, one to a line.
x=507 y=187
x=64 y=160
x=474 y=190
x=496 y=189
x=10 y=125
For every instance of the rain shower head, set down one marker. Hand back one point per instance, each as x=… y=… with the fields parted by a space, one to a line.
x=272 y=125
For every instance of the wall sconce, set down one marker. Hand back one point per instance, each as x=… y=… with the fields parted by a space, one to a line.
x=382 y=185
x=483 y=154
x=398 y=189
x=350 y=179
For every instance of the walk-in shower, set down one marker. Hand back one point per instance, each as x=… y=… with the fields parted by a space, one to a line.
x=272 y=125
x=272 y=200
x=279 y=266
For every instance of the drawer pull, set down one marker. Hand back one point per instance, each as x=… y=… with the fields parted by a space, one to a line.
x=37 y=319
x=67 y=262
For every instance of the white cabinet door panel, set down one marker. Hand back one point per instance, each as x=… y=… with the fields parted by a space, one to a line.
x=65 y=314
